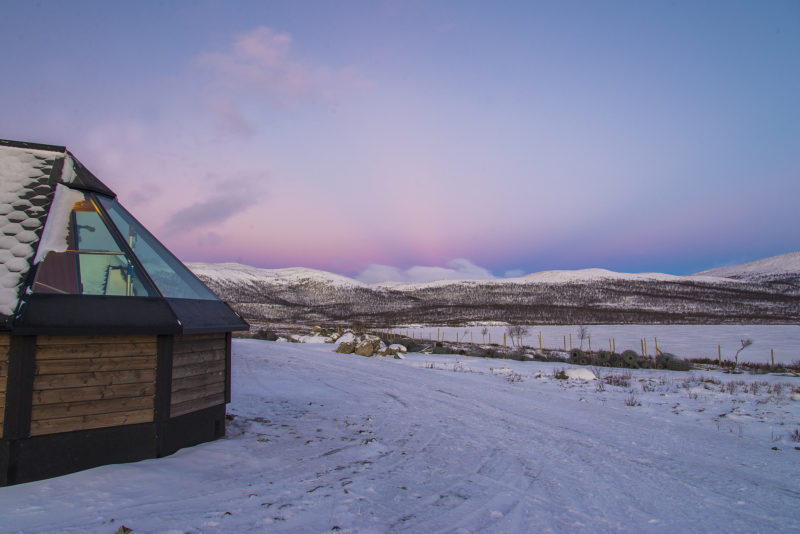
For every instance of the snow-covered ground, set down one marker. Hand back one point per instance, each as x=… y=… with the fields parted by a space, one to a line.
x=686 y=341
x=323 y=442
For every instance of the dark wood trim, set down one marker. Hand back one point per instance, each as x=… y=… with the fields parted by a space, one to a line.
x=54 y=179
x=191 y=429
x=164 y=378
x=198 y=316
x=227 y=367
x=5 y=461
x=19 y=393
x=45 y=313
x=50 y=455
x=32 y=146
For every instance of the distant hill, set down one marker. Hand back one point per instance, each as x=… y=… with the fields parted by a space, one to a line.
x=780 y=272
x=759 y=292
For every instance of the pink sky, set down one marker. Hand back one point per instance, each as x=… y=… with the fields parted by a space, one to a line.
x=439 y=139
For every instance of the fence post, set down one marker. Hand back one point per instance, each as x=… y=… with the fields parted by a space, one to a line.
x=719 y=353
x=570 y=342
x=540 y=341
x=505 y=347
x=565 y=343
x=590 y=343
x=772 y=352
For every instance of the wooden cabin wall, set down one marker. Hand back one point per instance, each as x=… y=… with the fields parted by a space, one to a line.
x=5 y=339
x=85 y=382
x=198 y=372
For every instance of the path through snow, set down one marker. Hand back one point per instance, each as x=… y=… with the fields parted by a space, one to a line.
x=324 y=442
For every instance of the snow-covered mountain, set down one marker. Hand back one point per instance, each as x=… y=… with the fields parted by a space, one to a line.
x=760 y=292
x=238 y=273
x=778 y=271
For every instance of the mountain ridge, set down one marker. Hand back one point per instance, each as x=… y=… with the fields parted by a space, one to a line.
x=587 y=296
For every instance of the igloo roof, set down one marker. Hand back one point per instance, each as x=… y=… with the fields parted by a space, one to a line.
x=73 y=260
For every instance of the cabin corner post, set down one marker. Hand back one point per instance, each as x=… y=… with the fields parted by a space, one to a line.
x=227 y=367
x=5 y=461
x=163 y=396
x=19 y=392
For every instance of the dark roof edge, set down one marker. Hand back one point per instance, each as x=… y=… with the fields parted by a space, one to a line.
x=85 y=180
x=32 y=146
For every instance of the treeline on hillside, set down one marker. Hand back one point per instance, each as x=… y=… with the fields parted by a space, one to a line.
x=601 y=301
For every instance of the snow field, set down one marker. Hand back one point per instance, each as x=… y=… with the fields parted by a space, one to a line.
x=321 y=442
x=685 y=341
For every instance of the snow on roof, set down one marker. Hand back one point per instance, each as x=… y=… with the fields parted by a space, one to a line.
x=54 y=237
x=25 y=193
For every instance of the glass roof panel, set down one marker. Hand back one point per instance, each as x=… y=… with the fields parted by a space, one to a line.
x=93 y=262
x=172 y=277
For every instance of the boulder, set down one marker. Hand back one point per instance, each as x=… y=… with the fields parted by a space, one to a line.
x=365 y=348
x=348 y=347
x=347 y=337
x=392 y=350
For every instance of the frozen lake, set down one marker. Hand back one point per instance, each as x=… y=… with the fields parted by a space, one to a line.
x=686 y=341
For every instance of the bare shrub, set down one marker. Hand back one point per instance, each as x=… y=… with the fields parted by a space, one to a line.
x=632 y=400
x=513 y=376
x=517 y=332
x=622 y=379
x=734 y=385
x=583 y=334
x=745 y=343
x=755 y=387
x=560 y=374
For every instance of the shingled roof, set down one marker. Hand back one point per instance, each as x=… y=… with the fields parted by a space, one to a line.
x=44 y=191
x=28 y=176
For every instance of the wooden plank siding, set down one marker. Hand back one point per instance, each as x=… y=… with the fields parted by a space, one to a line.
x=5 y=342
x=198 y=373
x=85 y=382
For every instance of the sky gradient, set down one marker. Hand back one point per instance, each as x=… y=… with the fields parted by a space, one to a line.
x=410 y=140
